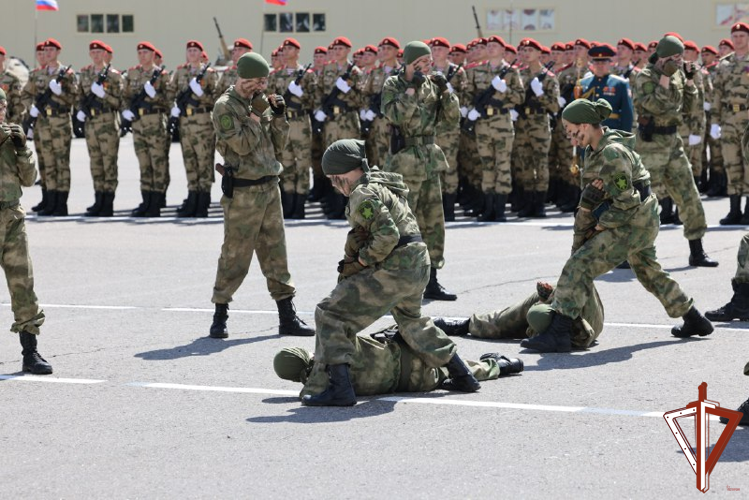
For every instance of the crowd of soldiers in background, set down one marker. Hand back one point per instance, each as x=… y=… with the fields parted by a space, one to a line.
x=156 y=105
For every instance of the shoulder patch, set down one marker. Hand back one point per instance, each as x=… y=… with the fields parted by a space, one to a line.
x=610 y=153
x=648 y=87
x=227 y=122
x=621 y=182
x=366 y=210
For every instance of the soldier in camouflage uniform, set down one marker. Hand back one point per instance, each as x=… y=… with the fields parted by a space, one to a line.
x=250 y=127
x=717 y=182
x=729 y=119
x=320 y=183
x=102 y=126
x=12 y=87
x=16 y=170
x=300 y=101
x=53 y=126
x=563 y=184
x=385 y=269
x=663 y=93
x=470 y=168
x=229 y=76
x=41 y=63
x=532 y=130
x=493 y=89
x=196 y=134
x=738 y=307
x=420 y=106
x=149 y=127
x=625 y=227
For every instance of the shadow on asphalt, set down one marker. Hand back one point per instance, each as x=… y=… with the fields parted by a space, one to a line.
x=325 y=414
x=204 y=346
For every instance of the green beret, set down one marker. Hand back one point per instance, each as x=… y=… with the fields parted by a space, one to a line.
x=2 y=95
x=585 y=111
x=669 y=46
x=344 y=156
x=252 y=65
x=292 y=363
x=539 y=317
x=414 y=50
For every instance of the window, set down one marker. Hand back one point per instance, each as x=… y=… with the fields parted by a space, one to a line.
x=271 y=22
x=128 y=23
x=506 y=20
x=97 y=23
x=82 y=23
x=113 y=23
x=302 y=23
x=318 y=22
x=287 y=22
x=101 y=23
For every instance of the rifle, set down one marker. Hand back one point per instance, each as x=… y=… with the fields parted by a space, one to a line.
x=330 y=100
x=137 y=101
x=224 y=48
x=529 y=92
x=183 y=99
x=90 y=101
x=629 y=71
x=297 y=80
x=476 y=18
x=42 y=101
x=483 y=100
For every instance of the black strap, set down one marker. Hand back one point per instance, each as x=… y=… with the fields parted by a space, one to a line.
x=664 y=130
x=254 y=182
x=643 y=189
x=405 y=240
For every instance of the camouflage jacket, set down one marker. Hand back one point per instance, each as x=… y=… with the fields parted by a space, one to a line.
x=419 y=117
x=378 y=204
x=39 y=83
x=731 y=86
x=246 y=145
x=228 y=78
x=113 y=86
x=137 y=77
x=278 y=83
x=16 y=169
x=373 y=89
x=327 y=82
x=481 y=79
x=12 y=87
x=180 y=82
x=695 y=118
x=666 y=106
x=458 y=80
x=549 y=100
x=619 y=167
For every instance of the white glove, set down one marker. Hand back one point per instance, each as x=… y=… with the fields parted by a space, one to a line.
x=714 y=131
x=175 y=112
x=56 y=87
x=320 y=116
x=295 y=89
x=98 y=90
x=342 y=85
x=363 y=114
x=34 y=111
x=474 y=115
x=150 y=90
x=450 y=88
x=463 y=111
x=707 y=106
x=694 y=139
x=370 y=115
x=80 y=116
x=513 y=115
x=128 y=115
x=499 y=84
x=562 y=101
x=536 y=87
x=196 y=88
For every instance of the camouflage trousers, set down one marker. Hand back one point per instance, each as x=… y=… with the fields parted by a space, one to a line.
x=343 y=126
x=40 y=159
x=671 y=174
x=469 y=161
x=693 y=153
x=316 y=152
x=55 y=134
x=425 y=200
x=532 y=142
x=608 y=249
x=378 y=142
x=296 y=157
x=716 y=154
x=151 y=146
x=735 y=164
x=449 y=142
x=19 y=274
x=360 y=300
x=103 y=142
x=253 y=222
x=198 y=141
x=742 y=269
x=561 y=157
x=494 y=139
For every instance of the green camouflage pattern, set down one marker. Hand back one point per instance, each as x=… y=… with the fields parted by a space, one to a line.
x=343 y=123
x=228 y=78
x=742 y=268
x=13 y=88
x=448 y=139
x=695 y=121
x=378 y=142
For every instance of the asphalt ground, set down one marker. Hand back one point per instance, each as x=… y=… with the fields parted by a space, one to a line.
x=143 y=405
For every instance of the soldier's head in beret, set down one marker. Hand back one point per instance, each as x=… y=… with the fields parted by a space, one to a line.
x=740 y=37
x=158 y=57
x=458 y=54
x=725 y=47
x=344 y=162
x=495 y=48
x=146 y=52
x=691 y=51
x=709 y=55
x=241 y=47
x=193 y=52
x=580 y=49
x=52 y=50
x=340 y=49
x=290 y=51
x=96 y=51
x=529 y=50
x=388 y=51
x=369 y=55
x=440 y=50
x=582 y=120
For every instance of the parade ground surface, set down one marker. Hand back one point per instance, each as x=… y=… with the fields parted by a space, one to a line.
x=143 y=405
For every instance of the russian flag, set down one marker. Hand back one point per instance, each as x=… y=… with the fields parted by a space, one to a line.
x=274 y=2
x=47 y=5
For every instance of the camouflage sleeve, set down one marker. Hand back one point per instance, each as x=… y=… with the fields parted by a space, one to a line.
x=369 y=212
x=69 y=84
x=209 y=85
x=241 y=134
x=16 y=108
x=515 y=94
x=353 y=97
x=397 y=106
x=309 y=86
x=460 y=84
x=584 y=222
x=279 y=132
x=28 y=94
x=470 y=91
x=25 y=167
x=654 y=98
x=616 y=174
x=550 y=98
x=168 y=87
x=113 y=88
x=449 y=110
x=694 y=117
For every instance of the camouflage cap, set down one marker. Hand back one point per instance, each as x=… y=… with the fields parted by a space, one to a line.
x=585 y=111
x=539 y=317
x=292 y=363
x=415 y=50
x=343 y=156
x=252 y=65
x=669 y=46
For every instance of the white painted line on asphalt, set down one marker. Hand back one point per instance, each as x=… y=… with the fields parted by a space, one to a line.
x=184 y=387
x=639 y=325
x=231 y=311
x=51 y=380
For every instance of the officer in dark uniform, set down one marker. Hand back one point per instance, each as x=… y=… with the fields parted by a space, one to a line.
x=614 y=89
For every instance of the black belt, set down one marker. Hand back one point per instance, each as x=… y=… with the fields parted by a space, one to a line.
x=291 y=114
x=735 y=107
x=100 y=111
x=405 y=240
x=532 y=110
x=664 y=130
x=196 y=111
x=419 y=140
x=154 y=111
x=643 y=189
x=494 y=110
x=238 y=183
x=57 y=111
x=8 y=204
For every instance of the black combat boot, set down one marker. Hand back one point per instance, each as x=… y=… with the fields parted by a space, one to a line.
x=107 y=204
x=460 y=376
x=698 y=257
x=475 y=205
x=527 y=204
x=42 y=204
x=489 y=214
x=694 y=324
x=203 y=203
x=745 y=217
x=49 y=207
x=744 y=408
x=734 y=215
x=140 y=210
x=448 y=206
x=154 y=208
x=33 y=362
x=572 y=199
x=507 y=366
x=289 y=322
x=517 y=199
x=452 y=327
x=299 y=211
x=667 y=215
x=61 y=205
x=339 y=392
x=218 y=327
x=556 y=338
x=737 y=308
x=435 y=291
x=190 y=205
x=539 y=207
x=287 y=203
x=718 y=185
x=500 y=201
x=94 y=209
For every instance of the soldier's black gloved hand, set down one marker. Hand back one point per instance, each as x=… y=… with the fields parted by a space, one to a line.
x=355 y=240
x=689 y=70
x=260 y=104
x=591 y=197
x=279 y=107
x=418 y=78
x=349 y=268
x=17 y=136
x=440 y=81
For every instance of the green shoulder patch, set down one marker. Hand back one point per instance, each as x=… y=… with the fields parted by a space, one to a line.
x=227 y=122
x=366 y=210
x=621 y=182
x=648 y=87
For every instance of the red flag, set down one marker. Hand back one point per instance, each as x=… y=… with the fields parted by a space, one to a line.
x=276 y=2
